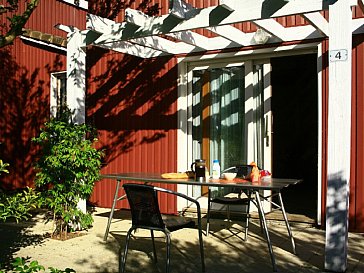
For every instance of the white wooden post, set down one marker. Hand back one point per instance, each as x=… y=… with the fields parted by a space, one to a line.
x=76 y=82
x=339 y=127
x=76 y=75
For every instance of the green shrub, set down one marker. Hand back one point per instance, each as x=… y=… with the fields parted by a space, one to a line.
x=21 y=266
x=68 y=167
x=17 y=204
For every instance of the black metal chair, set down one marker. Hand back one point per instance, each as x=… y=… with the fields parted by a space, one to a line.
x=232 y=197
x=143 y=201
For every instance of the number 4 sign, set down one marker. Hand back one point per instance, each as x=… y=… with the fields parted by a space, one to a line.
x=338 y=55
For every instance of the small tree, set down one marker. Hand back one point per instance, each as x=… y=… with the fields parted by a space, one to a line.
x=68 y=167
x=14 y=28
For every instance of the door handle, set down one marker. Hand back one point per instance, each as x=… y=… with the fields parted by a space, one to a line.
x=267 y=133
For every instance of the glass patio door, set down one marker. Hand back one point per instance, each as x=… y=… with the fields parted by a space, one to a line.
x=230 y=115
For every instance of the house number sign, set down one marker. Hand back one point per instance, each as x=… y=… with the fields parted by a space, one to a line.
x=338 y=55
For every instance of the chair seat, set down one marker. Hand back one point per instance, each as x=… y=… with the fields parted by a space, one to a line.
x=176 y=223
x=145 y=212
x=230 y=200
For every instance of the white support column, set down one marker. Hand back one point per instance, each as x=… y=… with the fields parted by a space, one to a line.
x=76 y=74
x=339 y=129
x=76 y=81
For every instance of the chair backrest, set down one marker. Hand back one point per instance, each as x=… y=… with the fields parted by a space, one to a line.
x=143 y=201
x=242 y=171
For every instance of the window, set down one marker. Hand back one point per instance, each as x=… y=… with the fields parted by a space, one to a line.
x=218 y=113
x=58 y=101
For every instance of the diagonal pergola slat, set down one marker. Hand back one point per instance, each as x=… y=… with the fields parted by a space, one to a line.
x=318 y=21
x=184 y=18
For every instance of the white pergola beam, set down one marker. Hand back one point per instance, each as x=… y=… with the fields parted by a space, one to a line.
x=80 y=3
x=66 y=28
x=287 y=34
x=137 y=17
x=109 y=28
x=194 y=42
x=203 y=42
x=318 y=21
x=273 y=27
x=132 y=49
x=232 y=34
x=219 y=15
x=302 y=33
x=161 y=44
x=358 y=26
x=189 y=37
x=274 y=8
x=184 y=10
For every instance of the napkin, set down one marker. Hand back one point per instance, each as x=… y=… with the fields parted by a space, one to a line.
x=174 y=175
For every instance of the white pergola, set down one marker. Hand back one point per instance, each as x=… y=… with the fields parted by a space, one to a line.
x=173 y=34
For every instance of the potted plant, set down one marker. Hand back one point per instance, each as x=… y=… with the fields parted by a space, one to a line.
x=68 y=166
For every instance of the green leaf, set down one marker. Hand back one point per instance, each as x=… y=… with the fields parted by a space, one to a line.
x=68 y=165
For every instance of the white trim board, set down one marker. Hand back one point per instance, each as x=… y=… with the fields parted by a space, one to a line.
x=83 y=4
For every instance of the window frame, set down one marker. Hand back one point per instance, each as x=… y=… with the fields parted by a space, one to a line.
x=56 y=93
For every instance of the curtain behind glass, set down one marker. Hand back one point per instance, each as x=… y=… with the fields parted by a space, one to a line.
x=227 y=140
x=197 y=83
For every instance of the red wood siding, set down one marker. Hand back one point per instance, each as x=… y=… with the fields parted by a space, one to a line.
x=24 y=104
x=114 y=9
x=56 y=12
x=132 y=102
x=25 y=85
x=356 y=209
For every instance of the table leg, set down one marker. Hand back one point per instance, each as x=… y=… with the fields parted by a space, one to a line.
x=265 y=229
x=112 y=209
x=287 y=224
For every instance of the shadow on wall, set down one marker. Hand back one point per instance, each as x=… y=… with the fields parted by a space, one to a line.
x=24 y=108
x=130 y=100
x=111 y=8
x=130 y=95
x=336 y=215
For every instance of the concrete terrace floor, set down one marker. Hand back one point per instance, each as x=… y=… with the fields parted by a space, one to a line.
x=225 y=249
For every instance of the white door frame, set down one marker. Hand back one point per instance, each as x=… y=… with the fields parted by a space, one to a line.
x=184 y=136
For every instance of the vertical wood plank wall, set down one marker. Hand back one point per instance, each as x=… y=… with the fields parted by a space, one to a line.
x=133 y=103
x=25 y=89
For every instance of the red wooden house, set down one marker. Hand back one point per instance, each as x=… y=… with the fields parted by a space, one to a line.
x=165 y=82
